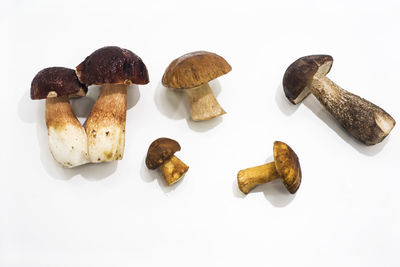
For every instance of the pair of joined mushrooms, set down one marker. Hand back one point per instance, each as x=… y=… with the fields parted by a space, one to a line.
x=114 y=68
x=104 y=139
x=364 y=120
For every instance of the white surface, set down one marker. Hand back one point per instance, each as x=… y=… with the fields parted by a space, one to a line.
x=347 y=210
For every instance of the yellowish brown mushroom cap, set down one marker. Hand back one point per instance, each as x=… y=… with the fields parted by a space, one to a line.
x=288 y=166
x=194 y=69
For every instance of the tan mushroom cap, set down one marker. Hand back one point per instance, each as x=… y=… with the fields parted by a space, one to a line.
x=194 y=69
x=288 y=166
x=160 y=151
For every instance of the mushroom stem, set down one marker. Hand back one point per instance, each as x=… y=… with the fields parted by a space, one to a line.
x=251 y=177
x=365 y=121
x=105 y=126
x=67 y=138
x=173 y=170
x=203 y=105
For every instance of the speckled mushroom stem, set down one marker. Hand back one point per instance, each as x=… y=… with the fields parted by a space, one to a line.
x=203 y=105
x=67 y=138
x=105 y=126
x=365 y=121
x=173 y=170
x=251 y=177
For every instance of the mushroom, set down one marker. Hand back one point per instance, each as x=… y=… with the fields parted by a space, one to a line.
x=161 y=153
x=192 y=72
x=114 y=68
x=286 y=165
x=67 y=138
x=365 y=121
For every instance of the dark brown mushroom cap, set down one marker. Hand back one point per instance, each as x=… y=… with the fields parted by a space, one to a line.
x=112 y=64
x=288 y=166
x=56 y=81
x=300 y=73
x=160 y=151
x=194 y=69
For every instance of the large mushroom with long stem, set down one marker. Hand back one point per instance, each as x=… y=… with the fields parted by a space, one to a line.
x=114 y=69
x=191 y=73
x=67 y=137
x=286 y=166
x=364 y=120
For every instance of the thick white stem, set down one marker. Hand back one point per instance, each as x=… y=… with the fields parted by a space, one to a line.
x=105 y=126
x=67 y=138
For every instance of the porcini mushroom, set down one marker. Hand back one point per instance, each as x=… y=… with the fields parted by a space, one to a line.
x=67 y=138
x=114 y=68
x=365 y=121
x=161 y=153
x=286 y=165
x=192 y=72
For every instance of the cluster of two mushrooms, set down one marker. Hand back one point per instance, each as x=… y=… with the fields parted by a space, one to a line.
x=104 y=137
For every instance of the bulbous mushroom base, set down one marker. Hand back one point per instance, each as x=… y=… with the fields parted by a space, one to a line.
x=173 y=170
x=364 y=120
x=203 y=105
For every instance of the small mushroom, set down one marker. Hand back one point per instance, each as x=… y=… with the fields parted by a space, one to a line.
x=365 y=121
x=67 y=138
x=161 y=153
x=286 y=165
x=114 y=68
x=192 y=72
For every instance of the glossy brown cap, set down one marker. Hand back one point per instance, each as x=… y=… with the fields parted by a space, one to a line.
x=56 y=81
x=300 y=74
x=160 y=151
x=112 y=64
x=288 y=166
x=194 y=69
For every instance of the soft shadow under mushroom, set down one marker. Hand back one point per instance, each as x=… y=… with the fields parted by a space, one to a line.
x=276 y=193
x=175 y=105
x=284 y=105
x=133 y=96
x=204 y=126
x=171 y=103
x=25 y=108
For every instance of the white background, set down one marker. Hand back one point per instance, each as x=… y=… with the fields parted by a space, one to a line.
x=347 y=210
